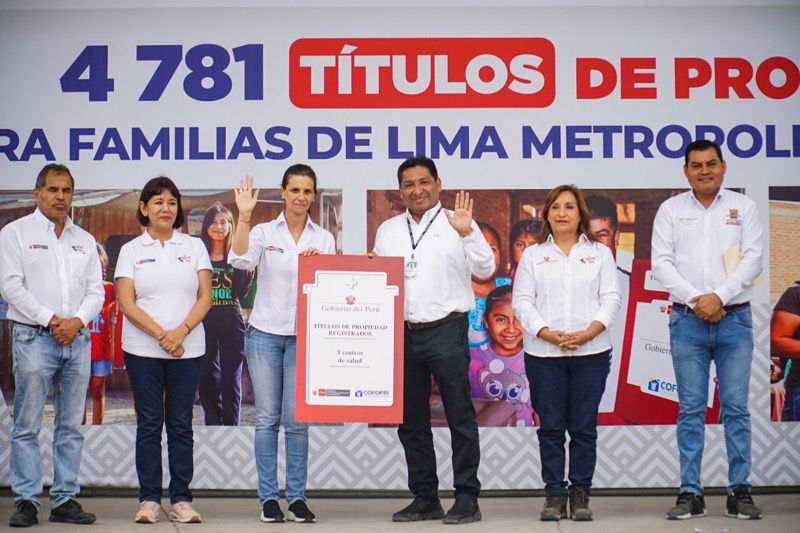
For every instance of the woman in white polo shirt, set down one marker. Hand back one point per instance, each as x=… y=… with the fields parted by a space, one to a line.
x=566 y=297
x=274 y=247
x=164 y=286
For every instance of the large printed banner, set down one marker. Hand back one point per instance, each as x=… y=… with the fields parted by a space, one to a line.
x=509 y=101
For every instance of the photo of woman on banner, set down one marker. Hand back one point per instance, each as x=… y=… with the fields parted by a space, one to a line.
x=566 y=297
x=274 y=247
x=220 y=384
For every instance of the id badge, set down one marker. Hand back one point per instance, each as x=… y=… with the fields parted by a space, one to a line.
x=411 y=269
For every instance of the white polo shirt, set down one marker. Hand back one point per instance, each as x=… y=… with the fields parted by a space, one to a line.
x=273 y=250
x=43 y=275
x=688 y=242
x=566 y=293
x=166 y=283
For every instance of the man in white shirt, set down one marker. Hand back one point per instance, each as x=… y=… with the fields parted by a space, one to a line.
x=51 y=279
x=441 y=251
x=710 y=318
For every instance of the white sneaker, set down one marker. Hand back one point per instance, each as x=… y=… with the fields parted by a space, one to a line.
x=184 y=512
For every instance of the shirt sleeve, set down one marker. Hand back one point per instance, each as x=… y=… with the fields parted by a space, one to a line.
x=523 y=296
x=12 y=284
x=330 y=243
x=609 y=294
x=124 y=268
x=479 y=254
x=94 y=294
x=249 y=260
x=378 y=247
x=749 y=258
x=203 y=260
x=662 y=251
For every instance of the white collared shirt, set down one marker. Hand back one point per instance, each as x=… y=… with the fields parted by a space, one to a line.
x=44 y=275
x=166 y=283
x=689 y=240
x=565 y=293
x=441 y=281
x=273 y=250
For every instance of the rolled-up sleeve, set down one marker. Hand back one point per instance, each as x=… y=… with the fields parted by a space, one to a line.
x=479 y=254
x=249 y=260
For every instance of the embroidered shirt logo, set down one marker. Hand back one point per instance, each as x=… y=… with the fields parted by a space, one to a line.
x=734 y=218
x=589 y=259
x=273 y=248
x=38 y=247
x=78 y=248
x=145 y=260
x=184 y=258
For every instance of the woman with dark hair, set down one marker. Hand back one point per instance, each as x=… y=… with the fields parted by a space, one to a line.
x=274 y=247
x=566 y=297
x=164 y=290
x=220 y=384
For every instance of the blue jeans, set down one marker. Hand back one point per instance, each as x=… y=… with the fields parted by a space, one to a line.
x=163 y=394
x=39 y=363
x=694 y=344
x=566 y=392
x=791 y=406
x=271 y=363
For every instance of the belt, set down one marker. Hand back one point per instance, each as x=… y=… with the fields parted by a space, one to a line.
x=727 y=308
x=37 y=327
x=455 y=315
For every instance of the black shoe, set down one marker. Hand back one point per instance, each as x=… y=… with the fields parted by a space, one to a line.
x=419 y=509
x=579 y=504
x=555 y=508
x=271 y=512
x=741 y=506
x=689 y=505
x=71 y=512
x=24 y=514
x=299 y=512
x=464 y=511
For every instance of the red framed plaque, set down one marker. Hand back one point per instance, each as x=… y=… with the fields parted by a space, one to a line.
x=350 y=339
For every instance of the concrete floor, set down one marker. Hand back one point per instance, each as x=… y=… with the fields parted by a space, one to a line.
x=500 y=515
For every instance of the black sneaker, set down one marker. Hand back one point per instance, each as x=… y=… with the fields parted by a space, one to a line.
x=741 y=506
x=555 y=508
x=464 y=511
x=419 y=509
x=24 y=514
x=299 y=512
x=688 y=505
x=579 y=504
x=71 y=512
x=271 y=512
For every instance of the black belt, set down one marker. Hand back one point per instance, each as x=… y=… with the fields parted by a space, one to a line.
x=455 y=315
x=727 y=308
x=37 y=327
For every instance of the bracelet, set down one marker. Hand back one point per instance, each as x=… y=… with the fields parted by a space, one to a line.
x=188 y=329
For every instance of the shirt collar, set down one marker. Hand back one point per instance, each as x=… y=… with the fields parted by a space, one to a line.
x=428 y=214
x=717 y=198
x=281 y=219
x=581 y=239
x=148 y=240
x=49 y=224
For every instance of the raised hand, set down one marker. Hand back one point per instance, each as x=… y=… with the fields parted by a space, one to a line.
x=461 y=219
x=246 y=198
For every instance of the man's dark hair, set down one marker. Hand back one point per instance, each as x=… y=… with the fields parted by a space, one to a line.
x=701 y=145
x=602 y=207
x=417 y=161
x=55 y=168
x=154 y=187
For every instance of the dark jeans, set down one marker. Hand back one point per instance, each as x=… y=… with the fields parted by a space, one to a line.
x=791 y=407
x=566 y=392
x=163 y=392
x=220 y=385
x=441 y=351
